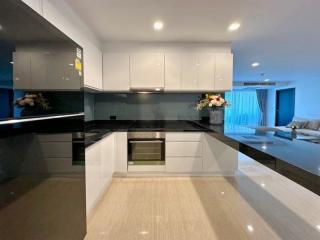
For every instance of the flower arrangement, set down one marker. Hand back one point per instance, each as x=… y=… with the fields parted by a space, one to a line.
x=211 y=102
x=35 y=100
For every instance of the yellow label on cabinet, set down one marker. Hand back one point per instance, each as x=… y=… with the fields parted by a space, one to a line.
x=78 y=65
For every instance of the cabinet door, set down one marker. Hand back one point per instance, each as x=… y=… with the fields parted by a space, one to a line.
x=93 y=176
x=206 y=72
x=183 y=164
x=189 y=72
x=116 y=72
x=107 y=160
x=183 y=149
x=92 y=55
x=147 y=71
x=121 y=154
x=172 y=72
x=39 y=68
x=92 y=61
x=219 y=157
x=21 y=70
x=223 y=72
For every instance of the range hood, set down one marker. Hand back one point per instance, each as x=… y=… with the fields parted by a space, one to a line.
x=147 y=90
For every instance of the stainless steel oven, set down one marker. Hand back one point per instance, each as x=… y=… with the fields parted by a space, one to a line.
x=146 y=148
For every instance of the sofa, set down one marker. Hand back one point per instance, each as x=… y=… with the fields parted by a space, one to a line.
x=310 y=127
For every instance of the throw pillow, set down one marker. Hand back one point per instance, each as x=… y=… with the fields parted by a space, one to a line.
x=313 y=125
x=297 y=124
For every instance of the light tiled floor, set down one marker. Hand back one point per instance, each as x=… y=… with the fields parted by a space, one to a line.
x=256 y=204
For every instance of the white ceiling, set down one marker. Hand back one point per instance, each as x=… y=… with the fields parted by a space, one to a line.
x=283 y=35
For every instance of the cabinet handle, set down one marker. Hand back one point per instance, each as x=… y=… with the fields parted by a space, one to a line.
x=145 y=141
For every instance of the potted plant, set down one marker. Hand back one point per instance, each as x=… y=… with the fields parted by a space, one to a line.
x=215 y=104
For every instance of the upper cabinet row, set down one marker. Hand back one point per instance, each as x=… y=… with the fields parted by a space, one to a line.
x=168 y=72
x=173 y=72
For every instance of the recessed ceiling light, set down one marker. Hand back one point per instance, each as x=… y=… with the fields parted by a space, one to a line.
x=267 y=80
x=143 y=232
x=250 y=228
x=234 y=26
x=255 y=64
x=158 y=25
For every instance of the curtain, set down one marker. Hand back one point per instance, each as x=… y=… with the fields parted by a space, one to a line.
x=244 y=108
x=262 y=101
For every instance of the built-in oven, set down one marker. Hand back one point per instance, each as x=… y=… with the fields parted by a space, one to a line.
x=78 y=148
x=146 y=150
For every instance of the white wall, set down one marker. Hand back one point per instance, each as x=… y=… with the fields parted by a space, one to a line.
x=307 y=100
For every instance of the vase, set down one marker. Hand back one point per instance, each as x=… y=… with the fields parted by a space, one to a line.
x=216 y=116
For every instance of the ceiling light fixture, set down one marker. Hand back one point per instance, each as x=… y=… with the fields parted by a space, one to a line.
x=234 y=26
x=1 y=27
x=250 y=228
x=267 y=80
x=158 y=25
x=255 y=64
x=143 y=232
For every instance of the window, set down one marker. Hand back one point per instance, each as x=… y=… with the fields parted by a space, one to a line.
x=244 y=108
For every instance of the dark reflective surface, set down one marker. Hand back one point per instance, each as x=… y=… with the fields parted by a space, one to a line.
x=42 y=169
x=42 y=180
x=41 y=68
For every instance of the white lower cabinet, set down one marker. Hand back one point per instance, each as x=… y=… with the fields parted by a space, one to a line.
x=184 y=149
x=93 y=183
x=121 y=152
x=199 y=153
x=184 y=152
x=218 y=157
x=184 y=164
x=99 y=170
x=107 y=160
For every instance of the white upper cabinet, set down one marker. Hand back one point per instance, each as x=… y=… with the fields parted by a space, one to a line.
x=35 y=5
x=146 y=71
x=92 y=65
x=173 y=72
x=189 y=72
x=206 y=71
x=223 y=72
x=116 y=76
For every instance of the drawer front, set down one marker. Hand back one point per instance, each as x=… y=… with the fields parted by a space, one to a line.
x=184 y=149
x=183 y=164
x=56 y=149
x=183 y=137
x=64 y=137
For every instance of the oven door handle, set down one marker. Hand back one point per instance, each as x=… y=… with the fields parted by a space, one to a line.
x=152 y=141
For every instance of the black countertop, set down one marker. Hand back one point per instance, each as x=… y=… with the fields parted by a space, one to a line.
x=294 y=158
x=96 y=130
